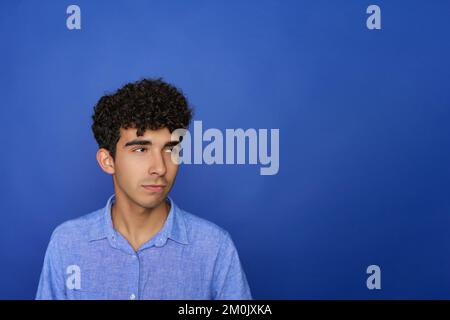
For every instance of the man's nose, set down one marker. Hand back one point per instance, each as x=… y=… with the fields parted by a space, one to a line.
x=158 y=166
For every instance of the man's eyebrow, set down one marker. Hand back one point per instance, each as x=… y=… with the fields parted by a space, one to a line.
x=172 y=143
x=137 y=142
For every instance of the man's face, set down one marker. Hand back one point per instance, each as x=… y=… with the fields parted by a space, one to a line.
x=143 y=169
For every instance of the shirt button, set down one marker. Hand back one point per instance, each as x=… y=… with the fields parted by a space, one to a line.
x=133 y=296
x=133 y=256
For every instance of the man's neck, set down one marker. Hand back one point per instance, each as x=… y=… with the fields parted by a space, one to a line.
x=136 y=224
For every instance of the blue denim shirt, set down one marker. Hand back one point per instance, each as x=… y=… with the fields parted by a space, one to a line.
x=189 y=258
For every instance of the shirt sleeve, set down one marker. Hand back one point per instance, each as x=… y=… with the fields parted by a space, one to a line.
x=229 y=281
x=51 y=282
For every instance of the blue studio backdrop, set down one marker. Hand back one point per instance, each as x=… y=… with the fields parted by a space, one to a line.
x=364 y=137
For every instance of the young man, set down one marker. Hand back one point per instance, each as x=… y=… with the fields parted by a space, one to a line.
x=141 y=245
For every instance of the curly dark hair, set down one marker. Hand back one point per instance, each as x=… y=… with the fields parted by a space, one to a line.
x=145 y=104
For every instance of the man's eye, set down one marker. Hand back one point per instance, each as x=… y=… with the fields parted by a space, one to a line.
x=140 y=149
x=169 y=149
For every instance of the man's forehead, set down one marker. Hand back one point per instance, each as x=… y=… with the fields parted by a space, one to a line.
x=129 y=137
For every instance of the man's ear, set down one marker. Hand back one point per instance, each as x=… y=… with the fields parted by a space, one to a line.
x=105 y=161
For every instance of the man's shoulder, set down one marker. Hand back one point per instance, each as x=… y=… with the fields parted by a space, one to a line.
x=201 y=229
x=79 y=228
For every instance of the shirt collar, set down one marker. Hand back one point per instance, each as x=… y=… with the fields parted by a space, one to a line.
x=174 y=227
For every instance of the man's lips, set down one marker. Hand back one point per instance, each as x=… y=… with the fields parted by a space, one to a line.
x=154 y=187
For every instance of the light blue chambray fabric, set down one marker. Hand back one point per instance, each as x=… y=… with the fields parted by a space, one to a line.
x=189 y=258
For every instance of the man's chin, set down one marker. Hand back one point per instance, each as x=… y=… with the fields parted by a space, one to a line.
x=152 y=201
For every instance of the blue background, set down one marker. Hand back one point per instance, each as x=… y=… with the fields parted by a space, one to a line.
x=364 y=133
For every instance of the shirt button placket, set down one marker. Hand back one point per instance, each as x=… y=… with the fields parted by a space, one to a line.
x=136 y=264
